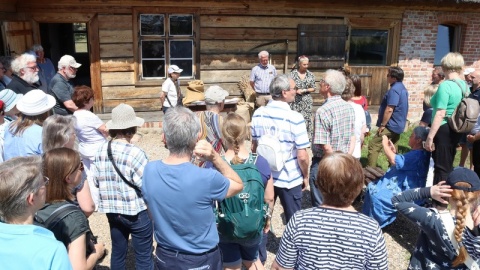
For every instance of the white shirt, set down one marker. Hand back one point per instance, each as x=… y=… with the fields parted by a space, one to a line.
x=168 y=87
x=86 y=128
x=360 y=121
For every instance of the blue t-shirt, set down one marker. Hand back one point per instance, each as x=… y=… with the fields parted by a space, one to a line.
x=27 y=144
x=31 y=247
x=262 y=166
x=397 y=96
x=180 y=200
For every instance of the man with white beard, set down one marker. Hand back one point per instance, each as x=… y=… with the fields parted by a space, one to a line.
x=61 y=88
x=25 y=74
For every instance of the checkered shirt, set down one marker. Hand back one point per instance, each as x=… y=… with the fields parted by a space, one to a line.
x=115 y=195
x=262 y=76
x=334 y=125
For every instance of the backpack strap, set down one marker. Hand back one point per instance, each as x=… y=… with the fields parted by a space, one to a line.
x=447 y=221
x=57 y=215
x=461 y=88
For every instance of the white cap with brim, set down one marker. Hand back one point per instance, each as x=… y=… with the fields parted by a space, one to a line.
x=10 y=98
x=174 y=69
x=468 y=71
x=68 y=61
x=35 y=102
x=123 y=117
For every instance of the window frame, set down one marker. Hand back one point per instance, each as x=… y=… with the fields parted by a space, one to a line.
x=138 y=38
x=349 y=40
x=456 y=45
x=85 y=32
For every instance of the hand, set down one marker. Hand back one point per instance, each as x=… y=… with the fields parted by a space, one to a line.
x=429 y=146
x=299 y=91
x=305 y=184
x=476 y=216
x=204 y=151
x=266 y=228
x=441 y=191
x=471 y=138
x=100 y=250
x=380 y=130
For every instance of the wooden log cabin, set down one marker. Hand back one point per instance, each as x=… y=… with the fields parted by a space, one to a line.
x=126 y=46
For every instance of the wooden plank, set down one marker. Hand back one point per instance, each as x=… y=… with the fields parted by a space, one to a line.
x=372 y=23
x=374 y=82
x=127 y=92
x=222 y=76
x=241 y=61
x=116 y=64
x=247 y=33
x=231 y=88
x=139 y=105
x=115 y=36
x=246 y=46
x=61 y=17
x=116 y=50
x=17 y=44
x=114 y=21
x=117 y=78
x=95 y=73
x=263 y=21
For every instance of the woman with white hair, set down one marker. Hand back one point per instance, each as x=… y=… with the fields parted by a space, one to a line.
x=23 y=137
x=22 y=193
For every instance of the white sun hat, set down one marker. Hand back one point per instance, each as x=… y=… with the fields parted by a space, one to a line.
x=35 y=102
x=123 y=117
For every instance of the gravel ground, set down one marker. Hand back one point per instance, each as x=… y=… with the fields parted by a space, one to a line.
x=400 y=236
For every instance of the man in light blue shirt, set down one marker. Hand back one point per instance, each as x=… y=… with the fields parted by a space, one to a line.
x=260 y=79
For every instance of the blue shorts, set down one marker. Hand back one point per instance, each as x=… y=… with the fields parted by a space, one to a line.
x=235 y=252
x=463 y=140
x=166 y=259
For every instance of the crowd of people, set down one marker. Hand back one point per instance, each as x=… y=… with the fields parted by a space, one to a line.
x=61 y=163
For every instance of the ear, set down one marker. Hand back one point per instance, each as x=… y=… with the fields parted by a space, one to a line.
x=31 y=198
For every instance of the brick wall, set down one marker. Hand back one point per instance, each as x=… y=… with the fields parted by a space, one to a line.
x=417 y=49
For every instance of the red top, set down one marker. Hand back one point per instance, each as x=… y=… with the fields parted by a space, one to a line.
x=362 y=102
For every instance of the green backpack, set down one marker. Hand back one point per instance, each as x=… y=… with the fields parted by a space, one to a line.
x=243 y=215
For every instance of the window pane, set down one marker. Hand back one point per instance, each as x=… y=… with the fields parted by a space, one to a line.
x=444 y=42
x=181 y=49
x=80 y=42
x=153 y=68
x=152 y=25
x=181 y=25
x=186 y=65
x=153 y=49
x=79 y=27
x=368 y=47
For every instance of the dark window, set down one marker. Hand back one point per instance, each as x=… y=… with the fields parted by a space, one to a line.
x=166 y=39
x=448 y=40
x=368 y=47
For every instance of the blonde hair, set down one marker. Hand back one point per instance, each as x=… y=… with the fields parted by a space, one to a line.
x=235 y=132
x=25 y=121
x=452 y=62
x=462 y=200
x=428 y=93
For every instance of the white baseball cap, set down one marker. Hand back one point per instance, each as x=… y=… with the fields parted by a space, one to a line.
x=68 y=61
x=174 y=69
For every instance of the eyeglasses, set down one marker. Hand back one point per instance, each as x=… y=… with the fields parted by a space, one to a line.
x=44 y=184
x=33 y=68
x=323 y=81
x=81 y=167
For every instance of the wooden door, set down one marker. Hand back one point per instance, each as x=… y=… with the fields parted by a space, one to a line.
x=18 y=37
x=374 y=82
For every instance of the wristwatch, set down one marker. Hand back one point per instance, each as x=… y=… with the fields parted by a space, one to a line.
x=382 y=125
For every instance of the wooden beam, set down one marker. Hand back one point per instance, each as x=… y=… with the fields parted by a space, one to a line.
x=114 y=21
x=116 y=64
x=126 y=92
x=59 y=17
x=116 y=50
x=116 y=36
x=262 y=21
x=95 y=73
x=247 y=46
x=117 y=78
x=240 y=33
x=241 y=61
x=139 y=105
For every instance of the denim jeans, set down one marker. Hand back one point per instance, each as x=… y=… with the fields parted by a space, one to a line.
x=316 y=195
x=141 y=229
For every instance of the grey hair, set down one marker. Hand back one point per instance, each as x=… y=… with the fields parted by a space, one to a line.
x=19 y=177
x=180 y=128
x=421 y=133
x=6 y=61
x=56 y=131
x=21 y=62
x=37 y=47
x=263 y=53
x=336 y=80
x=279 y=83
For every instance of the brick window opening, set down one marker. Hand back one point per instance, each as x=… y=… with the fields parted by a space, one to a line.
x=448 y=40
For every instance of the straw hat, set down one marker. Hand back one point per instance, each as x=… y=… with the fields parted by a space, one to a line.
x=10 y=98
x=123 y=117
x=35 y=102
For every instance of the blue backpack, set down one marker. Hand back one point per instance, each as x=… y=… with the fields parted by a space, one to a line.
x=243 y=215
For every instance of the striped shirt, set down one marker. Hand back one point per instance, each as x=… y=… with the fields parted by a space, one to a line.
x=334 y=125
x=115 y=196
x=325 y=238
x=262 y=77
x=292 y=133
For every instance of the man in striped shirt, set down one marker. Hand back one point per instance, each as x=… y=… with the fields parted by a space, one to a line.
x=334 y=126
x=260 y=79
